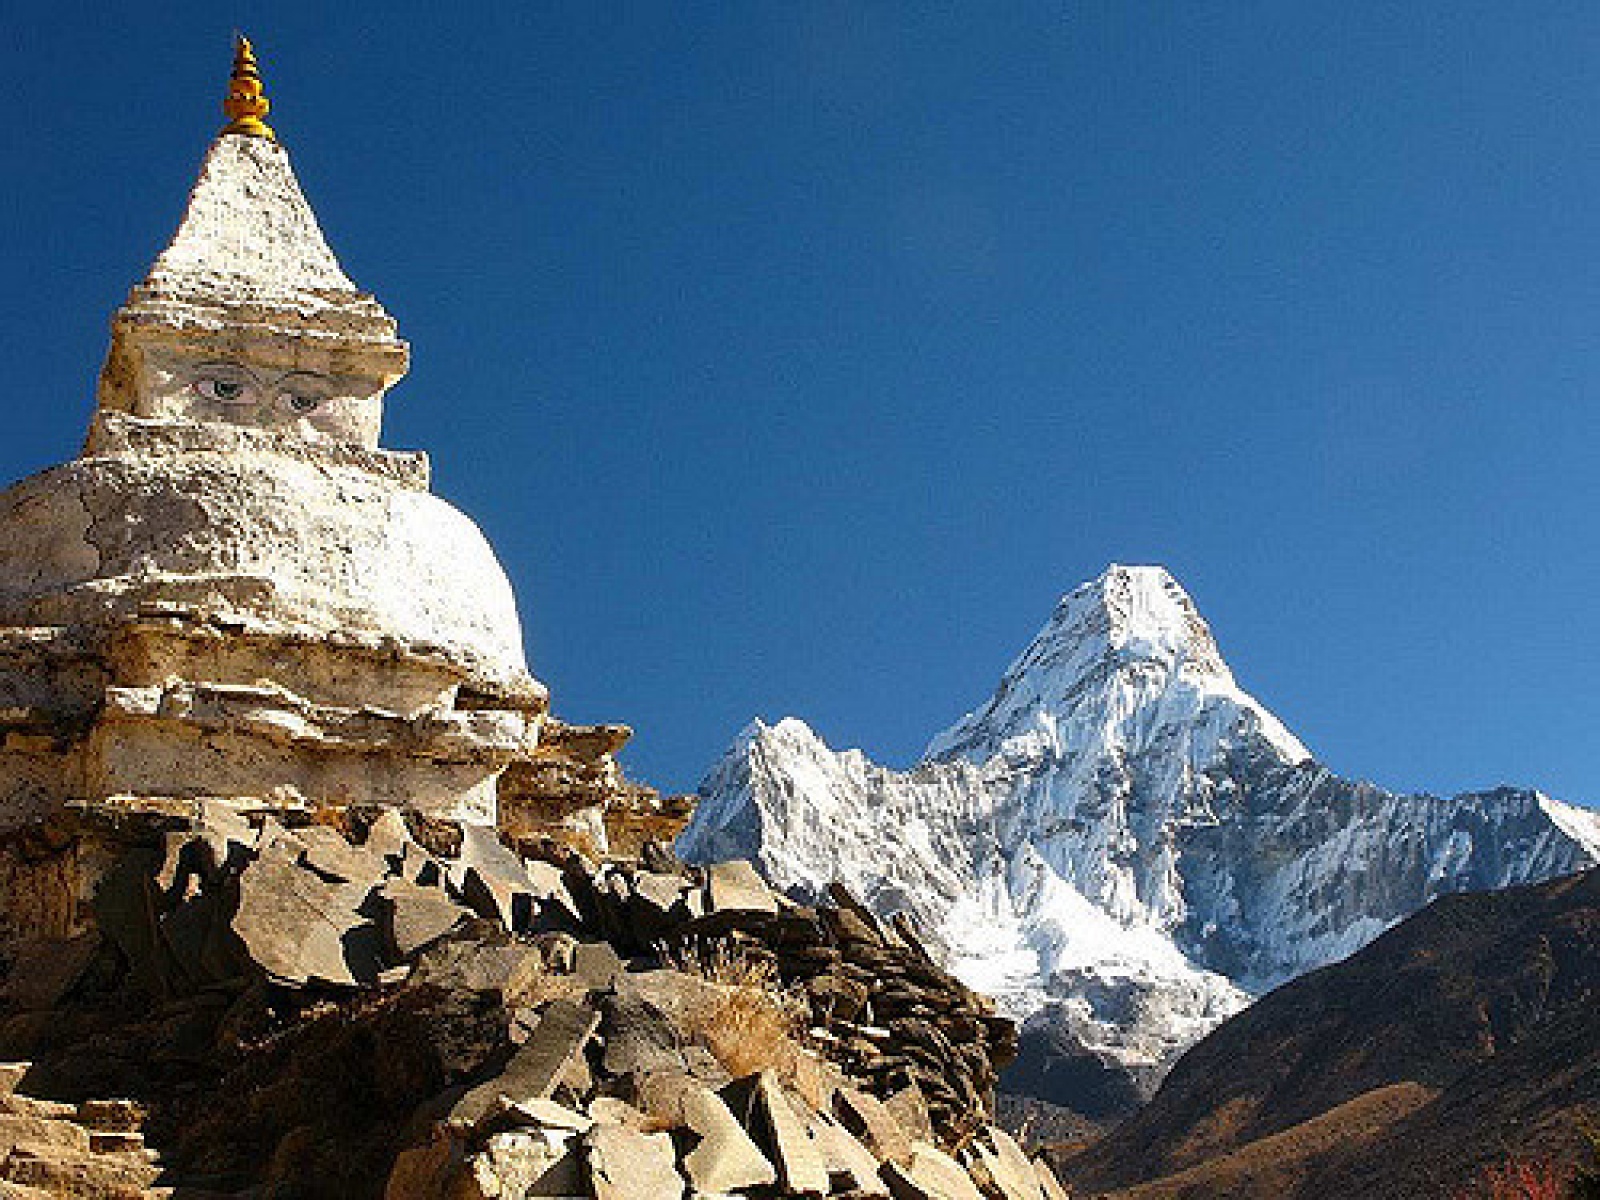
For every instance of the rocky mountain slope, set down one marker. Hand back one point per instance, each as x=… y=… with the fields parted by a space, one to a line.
x=1467 y=1035
x=1120 y=843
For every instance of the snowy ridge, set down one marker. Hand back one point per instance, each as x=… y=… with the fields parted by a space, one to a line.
x=1120 y=836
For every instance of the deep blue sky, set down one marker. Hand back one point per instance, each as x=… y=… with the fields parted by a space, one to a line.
x=797 y=356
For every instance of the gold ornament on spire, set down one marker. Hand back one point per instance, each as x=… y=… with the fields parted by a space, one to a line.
x=246 y=104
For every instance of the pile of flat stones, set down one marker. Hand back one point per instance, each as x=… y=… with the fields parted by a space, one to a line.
x=524 y=1026
x=754 y=1136
x=880 y=1005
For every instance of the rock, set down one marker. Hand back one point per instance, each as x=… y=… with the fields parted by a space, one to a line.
x=834 y=996
x=419 y=867
x=522 y=1163
x=557 y=906
x=849 y=929
x=12 y=1074
x=660 y=859
x=929 y=1174
x=412 y=917
x=336 y=860
x=111 y=1116
x=857 y=916
x=38 y=1133
x=639 y=1038
x=872 y=1124
x=537 y=1066
x=909 y=1107
x=424 y=1172
x=657 y=904
x=541 y=1113
x=725 y=1160
x=661 y=1095
x=388 y=837
x=497 y=898
x=851 y=1167
x=1001 y=1169
x=597 y=966
x=609 y=1110
x=46 y=969
x=503 y=971
x=736 y=887
x=786 y=1139
x=297 y=927
x=626 y=1164
x=1049 y=1185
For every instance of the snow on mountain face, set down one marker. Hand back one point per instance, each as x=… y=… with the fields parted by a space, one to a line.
x=1120 y=838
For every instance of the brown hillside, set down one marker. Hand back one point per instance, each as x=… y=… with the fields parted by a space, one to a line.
x=1485 y=1002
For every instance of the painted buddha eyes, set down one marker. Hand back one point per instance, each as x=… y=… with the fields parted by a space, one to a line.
x=299 y=393
x=224 y=391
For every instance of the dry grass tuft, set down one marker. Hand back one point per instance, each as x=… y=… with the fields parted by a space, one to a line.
x=756 y=1023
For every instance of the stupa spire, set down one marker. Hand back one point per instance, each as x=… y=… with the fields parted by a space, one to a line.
x=246 y=103
x=246 y=318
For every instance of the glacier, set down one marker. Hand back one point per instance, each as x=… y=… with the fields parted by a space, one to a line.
x=1120 y=845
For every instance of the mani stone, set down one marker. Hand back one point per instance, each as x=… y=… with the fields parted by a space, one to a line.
x=929 y=1174
x=492 y=879
x=1002 y=1170
x=537 y=1067
x=725 y=1160
x=639 y=1038
x=625 y=1164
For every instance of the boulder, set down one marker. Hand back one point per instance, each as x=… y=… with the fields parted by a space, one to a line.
x=639 y=1038
x=336 y=860
x=909 y=1107
x=522 y=1163
x=492 y=879
x=539 y=1113
x=388 y=837
x=596 y=965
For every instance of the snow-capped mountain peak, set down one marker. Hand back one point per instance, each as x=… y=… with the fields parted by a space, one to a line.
x=1130 y=644
x=1121 y=840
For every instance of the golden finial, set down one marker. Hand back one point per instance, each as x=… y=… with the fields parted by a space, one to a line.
x=246 y=104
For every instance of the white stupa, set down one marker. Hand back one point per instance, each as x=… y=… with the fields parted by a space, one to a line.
x=234 y=593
